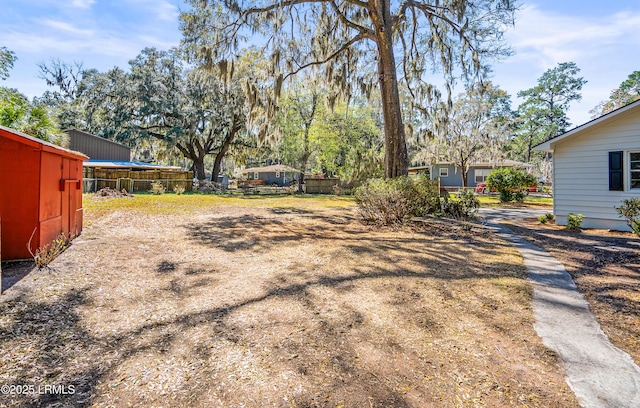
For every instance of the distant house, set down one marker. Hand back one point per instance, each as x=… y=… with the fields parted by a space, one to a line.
x=595 y=167
x=277 y=174
x=451 y=176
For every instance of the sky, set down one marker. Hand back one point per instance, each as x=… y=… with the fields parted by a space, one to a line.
x=600 y=36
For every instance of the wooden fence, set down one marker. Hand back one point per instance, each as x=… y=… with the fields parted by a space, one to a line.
x=321 y=185
x=134 y=180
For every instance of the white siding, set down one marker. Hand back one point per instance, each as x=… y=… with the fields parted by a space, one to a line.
x=581 y=172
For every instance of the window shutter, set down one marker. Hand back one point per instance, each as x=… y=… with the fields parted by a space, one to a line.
x=615 y=171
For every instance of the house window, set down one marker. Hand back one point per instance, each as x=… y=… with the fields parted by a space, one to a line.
x=481 y=175
x=255 y=175
x=615 y=171
x=634 y=168
x=277 y=174
x=444 y=172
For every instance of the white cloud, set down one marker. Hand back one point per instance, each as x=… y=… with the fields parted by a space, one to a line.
x=61 y=26
x=604 y=46
x=62 y=46
x=161 y=9
x=548 y=38
x=166 y=11
x=84 y=4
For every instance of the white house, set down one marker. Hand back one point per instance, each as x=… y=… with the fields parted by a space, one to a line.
x=595 y=167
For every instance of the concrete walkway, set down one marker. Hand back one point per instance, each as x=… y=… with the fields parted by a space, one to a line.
x=600 y=374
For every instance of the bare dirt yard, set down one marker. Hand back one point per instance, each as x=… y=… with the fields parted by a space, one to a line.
x=205 y=301
x=606 y=268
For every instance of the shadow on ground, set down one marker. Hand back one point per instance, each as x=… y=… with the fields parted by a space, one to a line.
x=606 y=270
x=370 y=319
x=14 y=272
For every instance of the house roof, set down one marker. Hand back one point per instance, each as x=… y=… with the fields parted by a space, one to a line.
x=39 y=144
x=602 y=120
x=114 y=164
x=271 y=169
x=498 y=163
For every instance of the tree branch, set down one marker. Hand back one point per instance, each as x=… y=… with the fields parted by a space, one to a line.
x=360 y=36
x=348 y=22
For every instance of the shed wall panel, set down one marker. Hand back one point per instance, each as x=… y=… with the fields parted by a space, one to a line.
x=19 y=180
x=97 y=148
x=51 y=200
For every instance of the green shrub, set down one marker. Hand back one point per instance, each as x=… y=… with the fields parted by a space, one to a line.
x=464 y=206
x=470 y=202
x=549 y=216
x=157 y=187
x=630 y=210
x=574 y=221
x=510 y=183
x=543 y=219
x=393 y=201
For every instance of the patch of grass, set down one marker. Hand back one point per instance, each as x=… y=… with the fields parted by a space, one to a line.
x=192 y=202
x=494 y=201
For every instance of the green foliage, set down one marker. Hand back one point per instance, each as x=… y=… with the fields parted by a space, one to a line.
x=475 y=129
x=630 y=210
x=627 y=92
x=394 y=201
x=546 y=218
x=7 y=58
x=510 y=183
x=157 y=187
x=346 y=142
x=464 y=206
x=184 y=110
x=354 y=42
x=32 y=118
x=543 y=114
x=349 y=142
x=574 y=221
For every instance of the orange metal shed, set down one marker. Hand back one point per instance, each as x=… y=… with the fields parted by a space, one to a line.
x=40 y=193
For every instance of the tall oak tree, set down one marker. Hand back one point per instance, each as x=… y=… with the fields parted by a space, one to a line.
x=358 y=44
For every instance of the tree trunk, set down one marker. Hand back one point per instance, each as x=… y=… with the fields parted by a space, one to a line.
x=196 y=156
x=395 y=155
x=198 y=166
x=217 y=163
x=304 y=159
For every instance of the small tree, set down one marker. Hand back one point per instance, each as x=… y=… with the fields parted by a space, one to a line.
x=510 y=183
x=543 y=114
x=627 y=92
x=630 y=210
